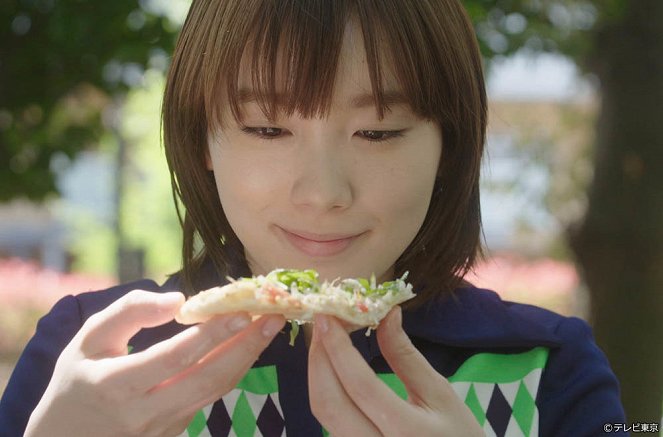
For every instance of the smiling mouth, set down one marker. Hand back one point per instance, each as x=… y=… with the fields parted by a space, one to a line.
x=319 y=245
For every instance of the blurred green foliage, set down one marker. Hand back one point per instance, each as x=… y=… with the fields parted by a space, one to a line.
x=149 y=218
x=60 y=61
x=507 y=26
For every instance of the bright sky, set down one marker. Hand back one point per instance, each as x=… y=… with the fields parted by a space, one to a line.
x=546 y=76
x=526 y=78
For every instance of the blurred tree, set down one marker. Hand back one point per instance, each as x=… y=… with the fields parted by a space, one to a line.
x=619 y=242
x=61 y=61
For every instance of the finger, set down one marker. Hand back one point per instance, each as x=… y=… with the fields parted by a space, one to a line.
x=330 y=403
x=377 y=401
x=146 y=369
x=425 y=386
x=108 y=331
x=220 y=371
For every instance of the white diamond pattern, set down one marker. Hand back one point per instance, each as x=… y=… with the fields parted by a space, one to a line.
x=461 y=388
x=512 y=429
x=532 y=380
x=484 y=391
x=256 y=402
x=509 y=391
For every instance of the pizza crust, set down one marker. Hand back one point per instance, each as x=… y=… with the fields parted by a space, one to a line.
x=269 y=297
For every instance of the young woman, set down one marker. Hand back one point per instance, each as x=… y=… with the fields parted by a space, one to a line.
x=343 y=136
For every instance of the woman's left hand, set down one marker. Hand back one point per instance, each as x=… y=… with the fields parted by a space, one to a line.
x=348 y=399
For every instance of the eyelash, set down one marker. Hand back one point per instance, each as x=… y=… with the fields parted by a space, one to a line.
x=387 y=135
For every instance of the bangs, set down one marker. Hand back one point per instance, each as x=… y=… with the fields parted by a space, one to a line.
x=291 y=51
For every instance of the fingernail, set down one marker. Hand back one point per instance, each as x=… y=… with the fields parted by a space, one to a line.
x=238 y=323
x=271 y=327
x=168 y=303
x=322 y=323
x=171 y=298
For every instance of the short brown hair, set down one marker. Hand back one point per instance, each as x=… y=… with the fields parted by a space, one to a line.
x=433 y=50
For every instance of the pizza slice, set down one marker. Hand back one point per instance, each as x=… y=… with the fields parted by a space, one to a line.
x=298 y=296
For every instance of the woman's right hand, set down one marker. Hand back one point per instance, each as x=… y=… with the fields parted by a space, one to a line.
x=98 y=389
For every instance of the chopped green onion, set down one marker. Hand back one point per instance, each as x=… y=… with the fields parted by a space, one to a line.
x=305 y=280
x=294 y=330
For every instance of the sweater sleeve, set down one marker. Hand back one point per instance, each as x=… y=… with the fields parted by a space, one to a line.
x=34 y=368
x=579 y=393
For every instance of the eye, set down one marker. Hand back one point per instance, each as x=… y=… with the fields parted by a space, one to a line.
x=268 y=133
x=380 y=135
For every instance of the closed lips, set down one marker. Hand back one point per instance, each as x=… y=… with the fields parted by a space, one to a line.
x=320 y=245
x=321 y=238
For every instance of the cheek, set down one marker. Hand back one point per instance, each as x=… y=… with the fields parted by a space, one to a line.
x=246 y=184
x=402 y=194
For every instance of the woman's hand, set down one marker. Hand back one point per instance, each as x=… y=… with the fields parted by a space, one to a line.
x=348 y=399
x=97 y=389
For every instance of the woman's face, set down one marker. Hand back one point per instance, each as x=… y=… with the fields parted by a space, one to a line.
x=345 y=194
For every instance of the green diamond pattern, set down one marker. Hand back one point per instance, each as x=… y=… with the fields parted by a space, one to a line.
x=255 y=386
x=197 y=425
x=484 y=369
x=517 y=376
x=524 y=408
x=472 y=402
x=244 y=422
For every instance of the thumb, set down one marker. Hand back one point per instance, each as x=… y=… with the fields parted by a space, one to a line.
x=423 y=383
x=108 y=331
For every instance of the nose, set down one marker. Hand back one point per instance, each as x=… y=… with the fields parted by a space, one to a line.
x=322 y=180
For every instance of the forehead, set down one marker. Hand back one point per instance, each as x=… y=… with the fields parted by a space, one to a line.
x=349 y=76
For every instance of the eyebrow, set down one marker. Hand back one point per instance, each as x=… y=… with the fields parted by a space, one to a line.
x=358 y=101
